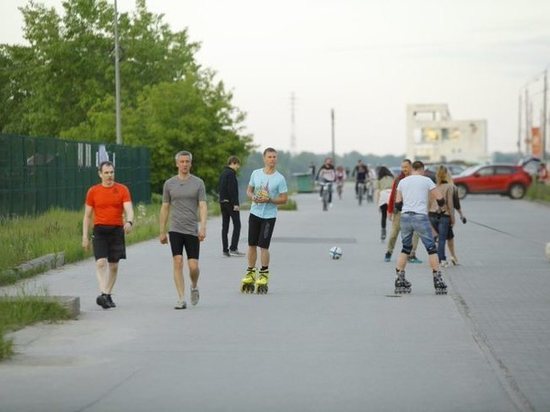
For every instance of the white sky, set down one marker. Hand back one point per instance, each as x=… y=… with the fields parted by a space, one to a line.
x=365 y=58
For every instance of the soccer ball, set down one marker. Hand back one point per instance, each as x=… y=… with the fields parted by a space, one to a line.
x=335 y=252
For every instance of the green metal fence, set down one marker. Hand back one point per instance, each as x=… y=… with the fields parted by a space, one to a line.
x=37 y=174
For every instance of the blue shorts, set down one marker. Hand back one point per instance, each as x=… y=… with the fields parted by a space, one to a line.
x=416 y=222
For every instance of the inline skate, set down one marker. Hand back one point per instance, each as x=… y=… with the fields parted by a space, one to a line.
x=247 y=283
x=402 y=285
x=262 y=282
x=439 y=284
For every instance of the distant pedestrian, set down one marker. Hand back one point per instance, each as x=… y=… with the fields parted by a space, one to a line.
x=395 y=217
x=229 y=206
x=312 y=170
x=412 y=197
x=442 y=218
x=340 y=180
x=184 y=200
x=384 y=184
x=543 y=176
x=451 y=236
x=108 y=202
x=266 y=189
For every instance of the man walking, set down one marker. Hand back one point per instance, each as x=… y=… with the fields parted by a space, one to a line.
x=108 y=201
x=413 y=193
x=229 y=206
x=267 y=189
x=184 y=195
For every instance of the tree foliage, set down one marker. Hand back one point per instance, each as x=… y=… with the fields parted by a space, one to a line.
x=62 y=84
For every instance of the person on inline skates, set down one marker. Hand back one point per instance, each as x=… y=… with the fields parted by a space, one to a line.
x=266 y=189
x=412 y=197
x=395 y=217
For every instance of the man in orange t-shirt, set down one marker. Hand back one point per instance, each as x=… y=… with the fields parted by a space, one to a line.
x=107 y=201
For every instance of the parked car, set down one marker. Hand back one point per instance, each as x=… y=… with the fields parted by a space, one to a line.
x=499 y=179
x=455 y=169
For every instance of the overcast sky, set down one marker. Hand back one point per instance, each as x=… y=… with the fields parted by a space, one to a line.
x=367 y=59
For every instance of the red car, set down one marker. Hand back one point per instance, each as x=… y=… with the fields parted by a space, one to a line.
x=500 y=179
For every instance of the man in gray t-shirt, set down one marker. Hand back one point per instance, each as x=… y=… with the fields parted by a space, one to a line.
x=184 y=195
x=412 y=200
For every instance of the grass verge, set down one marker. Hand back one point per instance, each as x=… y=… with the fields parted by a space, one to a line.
x=539 y=191
x=58 y=230
x=20 y=311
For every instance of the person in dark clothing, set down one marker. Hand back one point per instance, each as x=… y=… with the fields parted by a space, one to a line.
x=229 y=206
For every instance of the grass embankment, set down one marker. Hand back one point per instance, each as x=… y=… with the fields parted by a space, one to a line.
x=27 y=238
x=20 y=311
x=539 y=191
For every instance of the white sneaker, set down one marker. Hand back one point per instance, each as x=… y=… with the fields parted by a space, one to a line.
x=444 y=264
x=180 y=305
x=194 y=296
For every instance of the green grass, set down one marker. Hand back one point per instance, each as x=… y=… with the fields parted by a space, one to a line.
x=58 y=230
x=539 y=191
x=20 y=311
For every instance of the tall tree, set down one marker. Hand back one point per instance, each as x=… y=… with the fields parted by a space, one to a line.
x=63 y=85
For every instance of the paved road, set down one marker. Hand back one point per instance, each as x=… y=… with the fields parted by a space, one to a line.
x=327 y=337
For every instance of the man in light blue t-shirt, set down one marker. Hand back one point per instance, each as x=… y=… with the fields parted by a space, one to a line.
x=266 y=189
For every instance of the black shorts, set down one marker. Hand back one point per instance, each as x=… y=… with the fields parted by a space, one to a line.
x=260 y=231
x=108 y=242
x=191 y=243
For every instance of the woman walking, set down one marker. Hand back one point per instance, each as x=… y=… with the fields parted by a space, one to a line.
x=383 y=189
x=442 y=218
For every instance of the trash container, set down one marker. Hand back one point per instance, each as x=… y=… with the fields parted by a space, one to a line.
x=304 y=182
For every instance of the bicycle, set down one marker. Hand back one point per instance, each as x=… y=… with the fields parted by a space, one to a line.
x=326 y=191
x=361 y=190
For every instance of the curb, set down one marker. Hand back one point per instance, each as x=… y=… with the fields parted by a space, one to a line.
x=38 y=265
x=71 y=303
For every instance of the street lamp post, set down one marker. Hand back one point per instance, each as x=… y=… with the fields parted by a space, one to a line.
x=117 y=80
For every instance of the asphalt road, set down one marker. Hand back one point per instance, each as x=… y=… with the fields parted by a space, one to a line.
x=328 y=336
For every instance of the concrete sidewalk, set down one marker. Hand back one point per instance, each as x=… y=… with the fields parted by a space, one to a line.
x=328 y=335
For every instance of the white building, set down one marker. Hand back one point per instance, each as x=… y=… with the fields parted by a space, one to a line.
x=432 y=136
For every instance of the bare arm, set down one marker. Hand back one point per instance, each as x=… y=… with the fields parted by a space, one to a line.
x=163 y=220
x=280 y=200
x=129 y=212
x=203 y=214
x=250 y=192
x=86 y=223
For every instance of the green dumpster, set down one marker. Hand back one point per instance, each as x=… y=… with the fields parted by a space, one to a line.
x=304 y=182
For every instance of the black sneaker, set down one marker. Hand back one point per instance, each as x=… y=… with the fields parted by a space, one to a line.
x=226 y=254
x=101 y=300
x=110 y=301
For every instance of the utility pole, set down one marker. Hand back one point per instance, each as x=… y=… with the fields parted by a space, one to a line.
x=117 y=81
x=544 y=116
x=332 y=135
x=519 y=124
x=528 y=146
x=292 y=124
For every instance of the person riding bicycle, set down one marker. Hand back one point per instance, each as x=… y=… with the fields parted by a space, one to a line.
x=326 y=174
x=361 y=172
x=340 y=179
